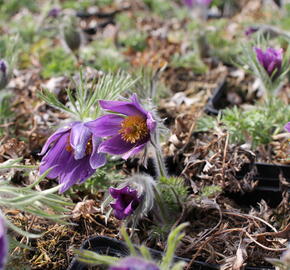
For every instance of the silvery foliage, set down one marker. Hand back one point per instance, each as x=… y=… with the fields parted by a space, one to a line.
x=29 y=200
x=83 y=102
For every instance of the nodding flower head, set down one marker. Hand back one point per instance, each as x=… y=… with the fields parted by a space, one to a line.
x=271 y=60
x=126 y=201
x=54 y=12
x=251 y=30
x=72 y=155
x=191 y=3
x=134 y=196
x=3 y=74
x=129 y=128
x=134 y=263
x=3 y=244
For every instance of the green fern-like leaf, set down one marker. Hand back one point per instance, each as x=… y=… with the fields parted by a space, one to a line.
x=173 y=192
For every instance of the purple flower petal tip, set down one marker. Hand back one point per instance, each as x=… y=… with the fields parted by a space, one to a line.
x=191 y=3
x=3 y=244
x=287 y=127
x=3 y=66
x=251 y=30
x=72 y=154
x=126 y=201
x=137 y=263
x=54 y=12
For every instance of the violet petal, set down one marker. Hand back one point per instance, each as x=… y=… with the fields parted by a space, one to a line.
x=3 y=244
x=55 y=136
x=79 y=138
x=97 y=159
x=123 y=107
x=107 y=125
x=134 y=263
x=116 y=146
x=134 y=151
x=55 y=157
x=287 y=127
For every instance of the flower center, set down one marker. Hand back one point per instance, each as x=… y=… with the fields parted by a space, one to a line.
x=133 y=128
x=89 y=146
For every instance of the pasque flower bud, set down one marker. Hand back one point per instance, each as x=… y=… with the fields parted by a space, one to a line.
x=71 y=34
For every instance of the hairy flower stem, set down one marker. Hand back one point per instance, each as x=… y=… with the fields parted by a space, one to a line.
x=161 y=172
x=160 y=165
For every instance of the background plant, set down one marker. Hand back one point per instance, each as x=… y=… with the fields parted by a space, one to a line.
x=83 y=102
x=166 y=263
x=40 y=203
x=255 y=126
x=248 y=61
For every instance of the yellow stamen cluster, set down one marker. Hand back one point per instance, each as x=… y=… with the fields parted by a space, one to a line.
x=68 y=146
x=89 y=146
x=133 y=128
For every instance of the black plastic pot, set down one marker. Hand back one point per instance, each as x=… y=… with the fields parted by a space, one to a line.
x=116 y=248
x=100 y=15
x=224 y=96
x=268 y=187
x=267 y=175
x=214 y=104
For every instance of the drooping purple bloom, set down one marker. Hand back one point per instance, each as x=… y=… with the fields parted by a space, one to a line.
x=3 y=73
x=3 y=244
x=54 y=12
x=287 y=127
x=72 y=153
x=251 y=30
x=191 y=3
x=134 y=263
x=3 y=66
x=271 y=60
x=126 y=201
x=130 y=129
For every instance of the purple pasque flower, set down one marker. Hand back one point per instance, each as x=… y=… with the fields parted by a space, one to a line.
x=130 y=129
x=54 y=12
x=134 y=263
x=3 y=244
x=72 y=153
x=251 y=30
x=126 y=201
x=287 y=127
x=271 y=60
x=3 y=73
x=3 y=66
x=191 y=3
